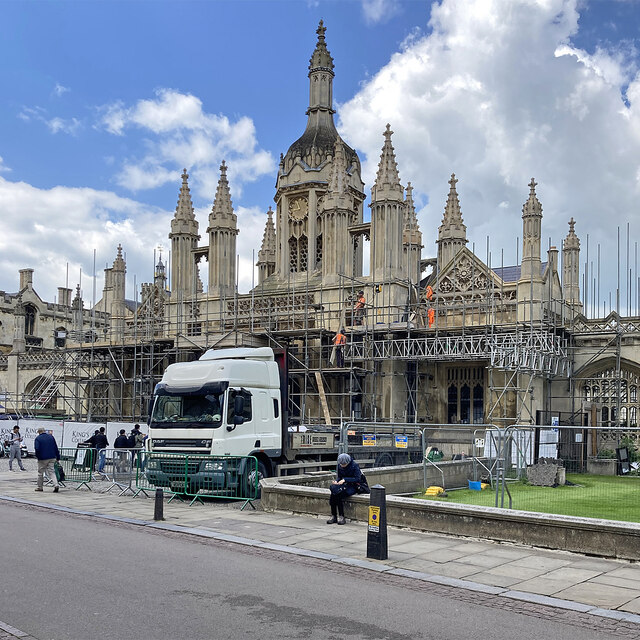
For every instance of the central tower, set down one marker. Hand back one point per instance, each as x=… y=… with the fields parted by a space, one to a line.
x=304 y=177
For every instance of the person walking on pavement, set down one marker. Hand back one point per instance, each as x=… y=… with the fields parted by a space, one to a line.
x=48 y=454
x=15 y=441
x=339 y=341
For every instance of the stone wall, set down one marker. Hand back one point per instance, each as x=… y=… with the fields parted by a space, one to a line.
x=303 y=494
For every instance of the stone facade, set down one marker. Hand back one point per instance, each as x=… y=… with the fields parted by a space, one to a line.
x=448 y=338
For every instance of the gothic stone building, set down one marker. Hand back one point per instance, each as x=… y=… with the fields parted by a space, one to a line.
x=448 y=338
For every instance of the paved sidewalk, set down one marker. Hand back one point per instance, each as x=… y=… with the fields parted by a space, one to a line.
x=600 y=587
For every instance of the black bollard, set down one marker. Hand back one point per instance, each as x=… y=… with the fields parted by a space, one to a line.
x=159 y=505
x=377 y=530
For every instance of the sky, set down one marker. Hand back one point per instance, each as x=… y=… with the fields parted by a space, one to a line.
x=104 y=102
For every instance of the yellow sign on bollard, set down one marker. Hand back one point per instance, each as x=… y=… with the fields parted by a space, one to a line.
x=374 y=519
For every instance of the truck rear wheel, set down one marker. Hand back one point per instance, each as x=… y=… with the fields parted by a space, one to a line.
x=384 y=460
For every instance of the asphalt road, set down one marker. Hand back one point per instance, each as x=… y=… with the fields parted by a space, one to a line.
x=66 y=577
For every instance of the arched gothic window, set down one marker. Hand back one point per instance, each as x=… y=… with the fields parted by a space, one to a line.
x=30 y=320
x=605 y=388
x=298 y=254
x=465 y=401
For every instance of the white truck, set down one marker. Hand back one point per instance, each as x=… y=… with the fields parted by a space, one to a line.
x=233 y=402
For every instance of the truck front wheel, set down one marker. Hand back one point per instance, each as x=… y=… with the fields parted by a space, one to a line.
x=252 y=484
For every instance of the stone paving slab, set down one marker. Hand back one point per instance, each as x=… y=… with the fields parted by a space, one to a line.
x=544 y=586
x=482 y=560
x=538 y=561
x=496 y=580
x=605 y=596
x=572 y=573
x=513 y=571
x=633 y=605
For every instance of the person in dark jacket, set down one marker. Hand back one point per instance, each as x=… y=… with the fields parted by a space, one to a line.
x=121 y=458
x=346 y=484
x=99 y=442
x=122 y=441
x=47 y=453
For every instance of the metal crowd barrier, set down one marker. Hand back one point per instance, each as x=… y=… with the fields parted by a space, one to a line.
x=77 y=465
x=198 y=476
x=121 y=464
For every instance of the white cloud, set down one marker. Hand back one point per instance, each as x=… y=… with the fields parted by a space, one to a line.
x=3 y=166
x=81 y=220
x=77 y=221
x=60 y=90
x=181 y=134
x=497 y=93
x=55 y=125
x=70 y=126
x=379 y=11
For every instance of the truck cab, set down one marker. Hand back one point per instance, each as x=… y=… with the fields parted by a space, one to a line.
x=227 y=403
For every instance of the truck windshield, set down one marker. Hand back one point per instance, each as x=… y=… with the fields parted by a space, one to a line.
x=193 y=410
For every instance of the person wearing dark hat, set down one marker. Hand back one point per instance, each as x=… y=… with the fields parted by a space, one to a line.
x=345 y=485
x=47 y=453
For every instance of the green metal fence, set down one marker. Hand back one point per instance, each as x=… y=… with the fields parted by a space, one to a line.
x=77 y=465
x=591 y=472
x=198 y=476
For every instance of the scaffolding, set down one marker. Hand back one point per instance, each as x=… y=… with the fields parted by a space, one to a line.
x=114 y=377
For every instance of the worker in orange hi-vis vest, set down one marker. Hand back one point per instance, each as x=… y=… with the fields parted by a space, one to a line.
x=429 y=292
x=358 y=309
x=431 y=317
x=338 y=345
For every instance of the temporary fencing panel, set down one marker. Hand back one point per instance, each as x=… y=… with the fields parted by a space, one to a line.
x=77 y=465
x=198 y=476
x=120 y=467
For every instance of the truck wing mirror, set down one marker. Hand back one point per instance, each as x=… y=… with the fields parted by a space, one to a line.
x=238 y=405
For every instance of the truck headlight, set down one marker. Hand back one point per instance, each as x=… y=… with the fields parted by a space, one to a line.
x=213 y=465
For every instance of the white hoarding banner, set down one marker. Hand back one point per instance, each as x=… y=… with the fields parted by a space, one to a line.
x=77 y=432
x=29 y=430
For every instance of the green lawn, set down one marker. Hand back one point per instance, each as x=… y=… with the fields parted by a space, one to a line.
x=609 y=497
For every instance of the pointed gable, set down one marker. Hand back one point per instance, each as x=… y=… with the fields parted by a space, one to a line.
x=222 y=214
x=387 y=185
x=452 y=225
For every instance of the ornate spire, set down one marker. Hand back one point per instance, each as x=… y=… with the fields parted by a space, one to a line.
x=222 y=211
x=267 y=255
x=268 y=250
x=571 y=241
x=321 y=58
x=387 y=185
x=119 y=263
x=184 y=210
x=452 y=233
x=410 y=218
x=531 y=239
x=532 y=206
x=452 y=224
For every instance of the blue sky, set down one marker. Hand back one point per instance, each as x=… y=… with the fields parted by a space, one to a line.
x=104 y=103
